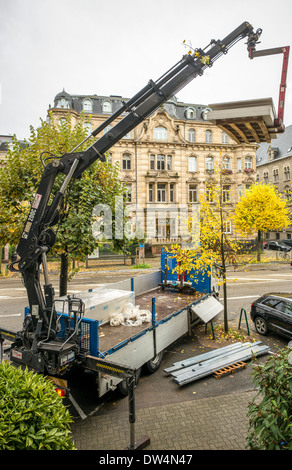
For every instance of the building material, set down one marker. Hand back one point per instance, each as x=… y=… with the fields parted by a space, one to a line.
x=246 y=122
x=209 y=367
x=202 y=357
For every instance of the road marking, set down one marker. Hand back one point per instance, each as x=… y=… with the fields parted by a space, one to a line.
x=11 y=315
x=9 y=297
x=242 y=297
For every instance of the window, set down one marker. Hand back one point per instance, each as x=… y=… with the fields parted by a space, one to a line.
x=151 y=192
x=127 y=136
x=266 y=177
x=63 y=103
x=87 y=105
x=160 y=162
x=228 y=227
x=239 y=165
x=226 y=193
x=276 y=175
x=208 y=136
x=129 y=192
x=106 y=129
x=192 y=135
x=161 y=192
x=126 y=161
x=160 y=133
x=248 y=162
x=152 y=162
x=169 y=162
x=286 y=173
x=193 y=164
x=225 y=139
x=190 y=113
x=239 y=191
x=193 y=193
x=171 y=192
x=107 y=107
x=209 y=163
x=226 y=163
x=88 y=127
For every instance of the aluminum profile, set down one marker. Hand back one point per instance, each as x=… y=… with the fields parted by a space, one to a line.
x=240 y=352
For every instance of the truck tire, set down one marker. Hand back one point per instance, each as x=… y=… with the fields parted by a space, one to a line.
x=154 y=363
x=122 y=386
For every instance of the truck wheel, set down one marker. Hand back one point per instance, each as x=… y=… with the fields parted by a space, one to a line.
x=122 y=386
x=154 y=363
x=261 y=325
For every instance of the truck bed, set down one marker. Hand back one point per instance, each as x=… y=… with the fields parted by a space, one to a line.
x=167 y=303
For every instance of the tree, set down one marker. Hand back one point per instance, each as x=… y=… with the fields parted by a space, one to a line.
x=212 y=244
x=261 y=209
x=19 y=179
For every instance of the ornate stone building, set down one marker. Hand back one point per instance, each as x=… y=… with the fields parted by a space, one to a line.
x=167 y=161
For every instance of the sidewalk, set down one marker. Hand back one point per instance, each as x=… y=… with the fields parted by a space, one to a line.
x=214 y=423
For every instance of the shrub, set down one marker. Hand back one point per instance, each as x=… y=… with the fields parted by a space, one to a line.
x=32 y=415
x=270 y=425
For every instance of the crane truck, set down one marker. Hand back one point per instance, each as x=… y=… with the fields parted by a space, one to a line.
x=51 y=342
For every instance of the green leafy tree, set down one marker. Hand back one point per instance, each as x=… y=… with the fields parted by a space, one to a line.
x=261 y=209
x=100 y=184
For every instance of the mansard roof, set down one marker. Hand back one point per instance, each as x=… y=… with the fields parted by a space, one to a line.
x=176 y=109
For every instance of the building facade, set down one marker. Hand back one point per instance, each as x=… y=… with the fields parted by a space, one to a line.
x=274 y=166
x=167 y=161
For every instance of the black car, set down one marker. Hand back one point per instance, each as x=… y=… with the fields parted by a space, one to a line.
x=279 y=246
x=273 y=312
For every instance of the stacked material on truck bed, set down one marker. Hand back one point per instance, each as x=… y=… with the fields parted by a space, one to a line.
x=246 y=122
x=100 y=303
x=196 y=367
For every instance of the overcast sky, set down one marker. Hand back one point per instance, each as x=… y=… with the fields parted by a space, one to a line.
x=115 y=47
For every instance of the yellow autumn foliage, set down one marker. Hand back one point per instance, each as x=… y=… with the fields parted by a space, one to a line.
x=262 y=209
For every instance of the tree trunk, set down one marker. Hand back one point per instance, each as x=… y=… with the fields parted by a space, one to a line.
x=259 y=245
x=63 y=282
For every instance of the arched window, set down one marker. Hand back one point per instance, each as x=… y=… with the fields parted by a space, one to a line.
x=160 y=133
x=192 y=135
x=208 y=136
x=107 y=107
x=190 y=113
x=87 y=105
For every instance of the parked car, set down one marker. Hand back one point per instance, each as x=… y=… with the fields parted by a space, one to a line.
x=273 y=312
x=279 y=246
x=288 y=242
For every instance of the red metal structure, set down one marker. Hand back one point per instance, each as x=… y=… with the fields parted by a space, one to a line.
x=277 y=50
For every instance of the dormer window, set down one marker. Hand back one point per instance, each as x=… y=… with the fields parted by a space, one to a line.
x=63 y=103
x=87 y=105
x=190 y=113
x=107 y=107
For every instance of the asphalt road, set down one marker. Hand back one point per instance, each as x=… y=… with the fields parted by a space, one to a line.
x=243 y=287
